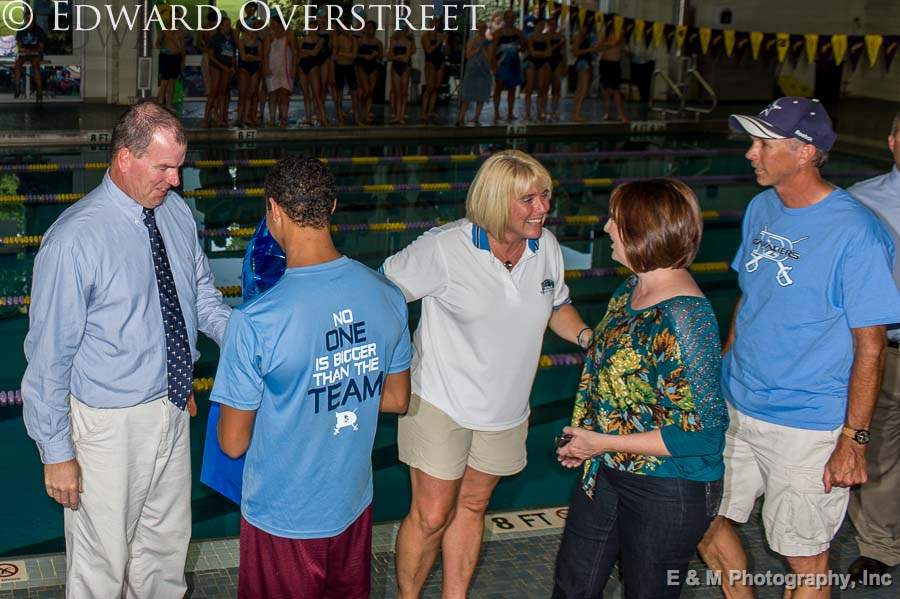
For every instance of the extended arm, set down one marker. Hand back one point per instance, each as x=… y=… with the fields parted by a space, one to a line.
x=568 y=324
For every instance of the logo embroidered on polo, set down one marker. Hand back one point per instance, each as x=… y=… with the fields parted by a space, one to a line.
x=547 y=286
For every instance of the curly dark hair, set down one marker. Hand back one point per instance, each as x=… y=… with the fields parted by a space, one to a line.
x=305 y=189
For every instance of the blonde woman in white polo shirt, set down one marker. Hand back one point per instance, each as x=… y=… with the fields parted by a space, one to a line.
x=490 y=284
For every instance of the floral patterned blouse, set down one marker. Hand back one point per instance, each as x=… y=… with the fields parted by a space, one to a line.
x=655 y=368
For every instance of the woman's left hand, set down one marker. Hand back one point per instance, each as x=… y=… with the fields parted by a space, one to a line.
x=583 y=446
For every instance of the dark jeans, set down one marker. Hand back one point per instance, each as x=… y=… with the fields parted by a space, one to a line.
x=653 y=523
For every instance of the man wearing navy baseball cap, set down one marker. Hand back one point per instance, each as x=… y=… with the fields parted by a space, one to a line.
x=804 y=356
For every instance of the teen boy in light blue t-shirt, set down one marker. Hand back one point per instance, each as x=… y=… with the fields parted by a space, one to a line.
x=305 y=368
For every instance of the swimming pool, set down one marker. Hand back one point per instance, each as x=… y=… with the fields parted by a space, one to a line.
x=390 y=194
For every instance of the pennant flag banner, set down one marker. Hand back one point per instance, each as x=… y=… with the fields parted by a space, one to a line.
x=839 y=47
x=756 y=38
x=680 y=34
x=890 y=49
x=797 y=45
x=669 y=35
x=742 y=42
x=705 y=37
x=855 y=48
x=782 y=45
x=618 y=25
x=659 y=29
x=812 y=46
x=728 y=36
x=769 y=46
x=873 y=45
x=639 y=26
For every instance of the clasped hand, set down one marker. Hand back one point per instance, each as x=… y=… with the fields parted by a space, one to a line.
x=583 y=446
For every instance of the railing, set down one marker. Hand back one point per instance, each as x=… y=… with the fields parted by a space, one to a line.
x=687 y=68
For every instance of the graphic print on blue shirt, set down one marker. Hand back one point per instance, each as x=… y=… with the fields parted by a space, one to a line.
x=776 y=248
x=311 y=356
x=349 y=356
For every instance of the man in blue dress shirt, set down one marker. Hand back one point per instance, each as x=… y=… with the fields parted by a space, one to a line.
x=121 y=286
x=874 y=507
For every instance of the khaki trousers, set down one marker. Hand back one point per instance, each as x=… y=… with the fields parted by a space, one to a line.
x=129 y=536
x=875 y=506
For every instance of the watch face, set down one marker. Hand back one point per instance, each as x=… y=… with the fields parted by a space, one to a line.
x=861 y=437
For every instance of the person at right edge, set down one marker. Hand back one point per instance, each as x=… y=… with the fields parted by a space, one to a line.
x=804 y=357
x=875 y=506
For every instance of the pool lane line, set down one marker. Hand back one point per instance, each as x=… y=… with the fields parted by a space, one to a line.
x=605 y=155
x=257 y=192
x=570 y=275
x=24 y=241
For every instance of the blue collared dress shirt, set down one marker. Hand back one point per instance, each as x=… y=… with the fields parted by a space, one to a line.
x=881 y=195
x=96 y=329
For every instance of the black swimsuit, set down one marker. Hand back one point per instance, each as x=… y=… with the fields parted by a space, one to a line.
x=436 y=56
x=538 y=62
x=368 y=65
x=308 y=63
x=250 y=67
x=399 y=66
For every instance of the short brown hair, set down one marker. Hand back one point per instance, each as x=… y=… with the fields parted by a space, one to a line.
x=659 y=222
x=135 y=128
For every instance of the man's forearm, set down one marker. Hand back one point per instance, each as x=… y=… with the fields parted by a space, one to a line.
x=865 y=375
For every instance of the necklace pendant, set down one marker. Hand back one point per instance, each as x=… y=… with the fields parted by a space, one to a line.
x=508 y=264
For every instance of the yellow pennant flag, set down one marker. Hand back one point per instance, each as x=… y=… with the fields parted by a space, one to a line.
x=618 y=25
x=812 y=46
x=839 y=47
x=638 y=33
x=680 y=34
x=639 y=26
x=658 y=31
x=728 y=36
x=782 y=44
x=582 y=15
x=705 y=36
x=756 y=38
x=873 y=45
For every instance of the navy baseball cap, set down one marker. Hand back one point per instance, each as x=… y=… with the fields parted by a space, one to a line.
x=789 y=117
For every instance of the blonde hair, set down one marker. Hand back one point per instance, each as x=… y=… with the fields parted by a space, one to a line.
x=503 y=178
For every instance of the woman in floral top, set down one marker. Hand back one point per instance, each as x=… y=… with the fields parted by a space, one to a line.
x=649 y=423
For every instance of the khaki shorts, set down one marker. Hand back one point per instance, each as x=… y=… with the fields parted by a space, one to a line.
x=786 y=465
x=432 y=442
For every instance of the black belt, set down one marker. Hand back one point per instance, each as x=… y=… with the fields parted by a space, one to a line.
x=893 y=344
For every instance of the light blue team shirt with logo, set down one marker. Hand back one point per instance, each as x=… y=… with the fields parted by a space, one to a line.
x=310 y=355
x=808 y=276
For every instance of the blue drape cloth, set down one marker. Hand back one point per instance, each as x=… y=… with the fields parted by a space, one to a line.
x=264 y=264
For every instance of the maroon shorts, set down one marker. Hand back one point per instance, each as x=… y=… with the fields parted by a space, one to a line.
x=331 y=568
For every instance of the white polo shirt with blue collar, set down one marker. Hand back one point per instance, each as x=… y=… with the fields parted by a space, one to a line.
x=479 y=338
